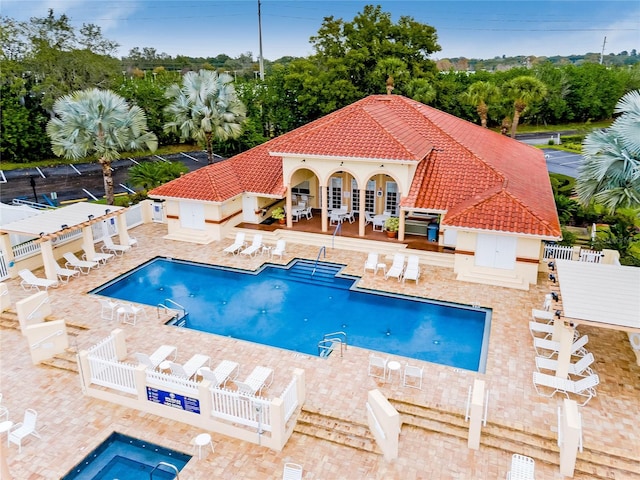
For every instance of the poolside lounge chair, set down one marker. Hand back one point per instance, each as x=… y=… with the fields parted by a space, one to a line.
x=551 y=348
x=415 y=373
x=522 y=468
x=255 y=246
x=109 y=246
x=108 y=308
x=30 y=281
x=156 y=358
x=579 y=369
x=83 y=266
x=371 y=263
x=376 y=364
x=583 y=387
x=412 y=271
x=279 y=249
x=546 y=329
x=128 y=313
x=190 y=368
x=397 y=267
x=225 y=371
x=65 y=274
x=24 y=428
x=292 y=471
x=101 y=258
x=543 y=315
x=237 y=245
x=256 y=381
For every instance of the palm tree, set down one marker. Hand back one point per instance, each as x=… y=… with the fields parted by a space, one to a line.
x=478 y=95
x=205 y=108
x=524 y=91
x=101 y=123
x=610 y=174
x=149 y=175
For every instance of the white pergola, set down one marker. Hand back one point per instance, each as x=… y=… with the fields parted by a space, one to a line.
x=600 y=295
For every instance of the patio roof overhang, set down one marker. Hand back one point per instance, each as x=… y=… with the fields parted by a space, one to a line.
x=52 y=222
x=600 y=295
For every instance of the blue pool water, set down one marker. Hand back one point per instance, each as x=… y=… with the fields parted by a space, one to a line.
x=292 y=309
x=126 y=458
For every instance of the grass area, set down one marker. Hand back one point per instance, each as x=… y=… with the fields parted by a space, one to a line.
x=580 y=127
x=52 y=162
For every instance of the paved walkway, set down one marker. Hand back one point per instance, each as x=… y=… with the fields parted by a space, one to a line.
x=71 y=425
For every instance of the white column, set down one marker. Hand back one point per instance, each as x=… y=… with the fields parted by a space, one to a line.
x=48 y=260
x=362 y=208
x=123 y=233
x=288 y=207
x=87 y=242
x=325 y=203
x=564 y=354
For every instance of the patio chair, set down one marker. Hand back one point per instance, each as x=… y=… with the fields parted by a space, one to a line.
x=23 y=429
x=376 y=364
x=546 y=329
x=579 y=369
x=100 y=257
x=108 y=308
x=371 y=263
x=83 y=266
x=156 y=358
x=30 y=281
x=350 y=216
x=279 y=249
x=189 y=369
x=256 y=381
x=255 y=246
x=378 y=223
x=65 y=274
x=522 y=468
x=368 y=218
x=335 y=218
x=237 y=245
x=415 y=373
x=133 y=242
x=412 y=271
x=128 y=313
x=110 y=247
x=308 y=213
x=292 y=471
x=583 y=387
x=552 y=347
x=543 y=315
x=225 y=371
x=397 y=267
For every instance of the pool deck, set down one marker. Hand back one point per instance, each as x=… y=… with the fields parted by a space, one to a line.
x=71 y=424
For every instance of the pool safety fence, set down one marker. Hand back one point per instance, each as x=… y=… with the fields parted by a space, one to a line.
x=263 y=421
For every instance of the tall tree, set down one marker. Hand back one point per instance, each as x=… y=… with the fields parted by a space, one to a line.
x=101 y=123
x=479 y=94
x=524 y=91
x=610 y=174
x=205 y=108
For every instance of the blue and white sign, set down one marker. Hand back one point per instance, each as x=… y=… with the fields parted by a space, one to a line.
x=173 y=400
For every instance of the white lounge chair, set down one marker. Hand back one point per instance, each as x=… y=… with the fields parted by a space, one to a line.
x=255 y=246
x=583 y=387
x=397 y=267
x=30 y=281
x=256 y=381
x=110 y=247
x=225 y=371
x=368 y=218
x=522 y=468
x=279 y=249
x=412 y=271
x=376 y=364
x=308 y=213
x=292 y=471
x=415 y=373
x=128 y=313
x=371 y=263
x=543 y=315
x=190 y=368
x=551 y=348
x=23 y=429
x=108 y=308
x=156 y=358
x=100 y=257
x=237 y=245
x=83 y=266
x=582 y=368
x=65 y=274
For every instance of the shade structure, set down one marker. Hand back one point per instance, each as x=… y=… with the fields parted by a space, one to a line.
x=600 y=294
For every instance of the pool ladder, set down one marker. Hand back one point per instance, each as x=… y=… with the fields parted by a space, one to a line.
x=170 y=465
x=168 y=309
x=328 y=342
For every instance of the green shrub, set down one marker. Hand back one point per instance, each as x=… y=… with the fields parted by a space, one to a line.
x=568 y=238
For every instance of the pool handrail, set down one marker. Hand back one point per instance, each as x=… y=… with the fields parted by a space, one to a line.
x=315 y=265
x=171 y=465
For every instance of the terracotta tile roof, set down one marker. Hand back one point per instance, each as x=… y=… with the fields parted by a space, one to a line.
x=480 y=178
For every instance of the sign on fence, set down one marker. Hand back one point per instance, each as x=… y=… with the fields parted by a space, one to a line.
x=173 y=400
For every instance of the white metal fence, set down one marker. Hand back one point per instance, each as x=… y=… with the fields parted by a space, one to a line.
x=246 y=410
x=113 y=374
x=558 y=252
x=105 y=349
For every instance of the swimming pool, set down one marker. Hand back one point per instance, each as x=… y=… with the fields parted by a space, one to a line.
x=292 y=308
x=126 y=458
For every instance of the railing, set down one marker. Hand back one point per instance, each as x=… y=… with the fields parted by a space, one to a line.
x=133 y=215
x=559 y=252
x=168 y=300
x=246 y=410
x=325 y=346
x=315 y=265
x=33 y=312
x=376 y=422
x=113 y=374
x=590 y=256
x=40 y=342
x=38 y=206
x=26 y=249
x=105 y=349
x=171 y=381
x=165 y=464
x=290 y=399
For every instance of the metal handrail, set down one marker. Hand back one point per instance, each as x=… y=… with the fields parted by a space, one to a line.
x=170 y=465
x=315 y=265
x=44 y=300
x=344 y=334
x=57 y=333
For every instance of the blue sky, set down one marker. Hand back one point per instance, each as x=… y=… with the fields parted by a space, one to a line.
x=473 y=29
